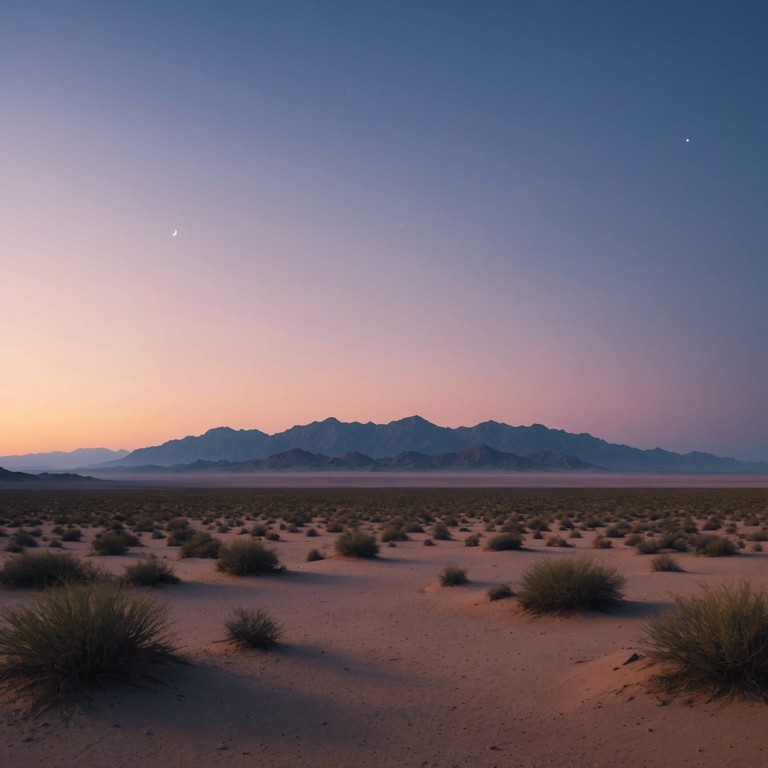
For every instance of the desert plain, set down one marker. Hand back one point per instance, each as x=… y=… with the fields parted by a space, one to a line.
x=380 y=665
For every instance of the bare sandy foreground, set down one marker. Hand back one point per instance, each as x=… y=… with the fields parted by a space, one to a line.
x=382 y=667
x=431 y=480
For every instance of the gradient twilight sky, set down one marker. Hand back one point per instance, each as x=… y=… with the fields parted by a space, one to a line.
x=465 y=210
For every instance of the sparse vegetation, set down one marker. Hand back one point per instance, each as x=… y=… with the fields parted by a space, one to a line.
x=715 y=641
x=665 y=563
x=246 y=558
x=504 y=541
x=201 y=544
x=357 y=544
x=314 y=554
x=45 y=569
x=149 y=572
x=252 y=628
x=453 y=576
x=570 y=584
x=501 y=592
x=81 y=636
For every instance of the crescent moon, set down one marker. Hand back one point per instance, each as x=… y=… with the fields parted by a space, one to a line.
x=174 y=233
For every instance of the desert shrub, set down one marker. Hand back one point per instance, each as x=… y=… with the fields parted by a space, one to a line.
x=259 y=529
x=440 y=532
x=665 y=563
x=574 y=534
x=148 y=572
x=473 y=540
x=272 y=536
x=715 y=546
x=429 y=543
x=244 y=558
x=414 y=527
x=557 y=541
x=648 y=547
x=501 y=592
x=313 y=555
x=393 y=533
x=571 y=584
x=757 y=547
x=452 y=576
x=113 y=543
x=45 y=569
x=311 y=532
x=80 y=636
x=201 y=544
x=357 y=544
x=504 y=541
x=715 y=641
x=72 y=534
x=252 y=629
x=600 y=542
x=334 y=527
x=19 y=541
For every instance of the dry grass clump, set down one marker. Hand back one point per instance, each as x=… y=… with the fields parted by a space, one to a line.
x=501 y=592
x=665 y=563
x=245 y=558
x=45 y=569
x=314 y=555
x=357 y=544
x=453 y=576
x=570 y=584
x=252 y=629
x=715 y=641
x=149 y=572
x=81 y=636
x=504 y=541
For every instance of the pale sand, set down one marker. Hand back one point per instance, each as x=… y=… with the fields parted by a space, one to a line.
x=381 y=667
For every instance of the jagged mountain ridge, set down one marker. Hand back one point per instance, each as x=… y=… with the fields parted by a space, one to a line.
x=332 y=437
x=478 y=457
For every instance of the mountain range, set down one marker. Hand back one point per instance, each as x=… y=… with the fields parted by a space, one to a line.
x=45 y=478
x=333 y=438
x=59 y=461
x=478 y=457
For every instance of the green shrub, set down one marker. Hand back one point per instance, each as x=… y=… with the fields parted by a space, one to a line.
x=715 y=641
x=244 y=558
x=252 y=629
x=356 y=544
x=504 y=541
x=665 y=563
x=45 y=569
x=148 y=572
x=570 y=584
x=501 y=592
x=452 y=576
x=201 y=544
x=81 y=636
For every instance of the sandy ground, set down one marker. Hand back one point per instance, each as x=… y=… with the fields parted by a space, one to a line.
x=382 y=667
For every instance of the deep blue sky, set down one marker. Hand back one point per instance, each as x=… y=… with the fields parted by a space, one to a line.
x=465 y=210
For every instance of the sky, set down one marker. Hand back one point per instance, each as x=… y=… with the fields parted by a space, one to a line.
x=537 y=211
